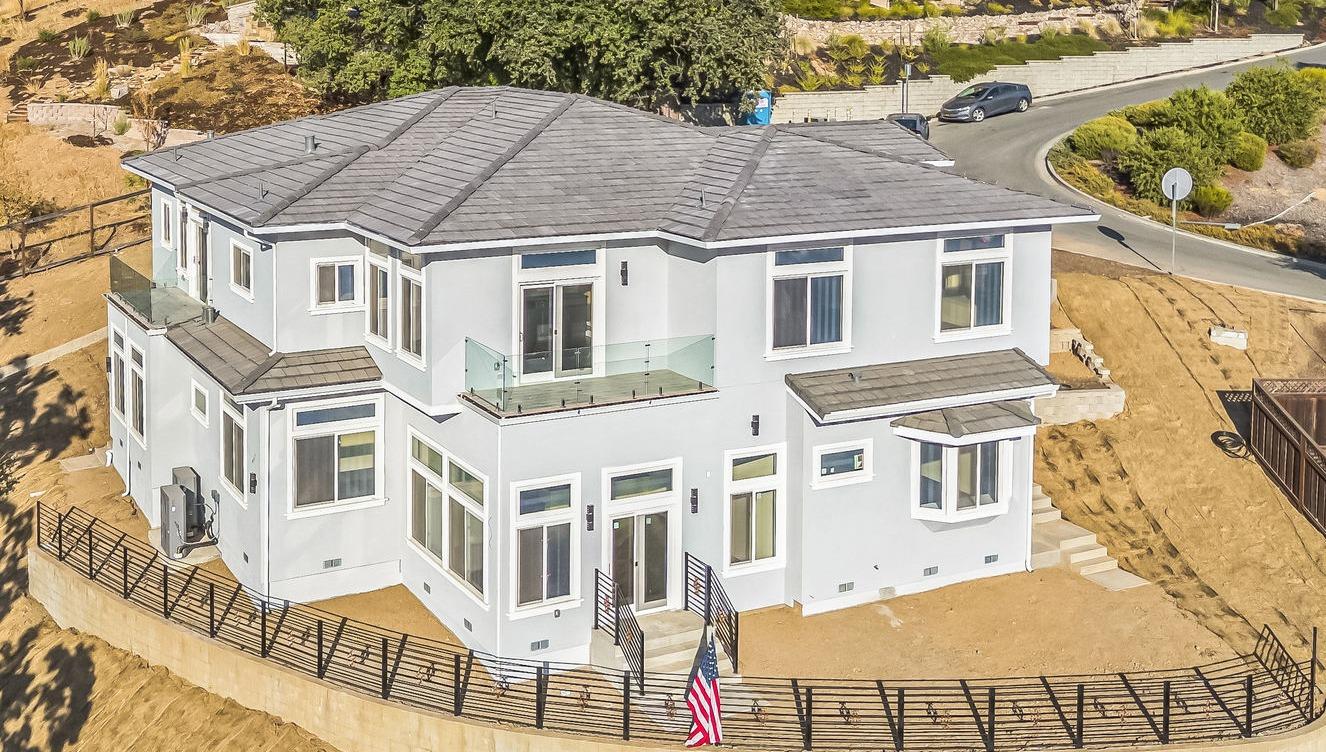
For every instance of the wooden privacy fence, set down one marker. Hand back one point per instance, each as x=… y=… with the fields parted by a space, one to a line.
x=1267 y=691
x=62 y=237
x=1287 y=433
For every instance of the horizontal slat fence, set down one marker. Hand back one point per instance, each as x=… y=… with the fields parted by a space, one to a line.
x=1265 y=692
x=1285 y=447
x=62 y=237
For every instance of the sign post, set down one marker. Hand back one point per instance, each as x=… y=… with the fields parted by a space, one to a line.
x=1176 y=185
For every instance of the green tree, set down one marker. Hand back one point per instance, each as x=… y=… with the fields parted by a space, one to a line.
x=1208 y=115
x=1157 y=151
x=1276 y=103
x=640 y=52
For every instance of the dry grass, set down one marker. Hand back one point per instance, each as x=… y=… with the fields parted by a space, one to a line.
x=63 y=174
x=50 y=16
x=231 y=91
x=1210 y=529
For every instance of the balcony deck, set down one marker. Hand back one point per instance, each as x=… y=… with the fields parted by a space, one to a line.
x=601 y=391
x=155 y=305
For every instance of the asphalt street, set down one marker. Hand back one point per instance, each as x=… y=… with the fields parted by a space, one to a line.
x=1009 y=150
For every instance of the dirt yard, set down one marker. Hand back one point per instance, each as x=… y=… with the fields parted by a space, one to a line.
x=1210 y=529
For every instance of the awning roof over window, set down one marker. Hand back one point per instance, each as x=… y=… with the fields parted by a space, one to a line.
x=971 y=419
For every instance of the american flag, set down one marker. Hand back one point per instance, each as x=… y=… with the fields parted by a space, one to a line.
x=702 y=699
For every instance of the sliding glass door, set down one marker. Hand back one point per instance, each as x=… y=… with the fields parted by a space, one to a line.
x=556 y=330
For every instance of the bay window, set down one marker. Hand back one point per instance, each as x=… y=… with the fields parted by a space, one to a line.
x=379 y=303
x=973 y=294
x=447 y=518
x=411 y=315
x=809 y=300
x=335 y=455
x=545 y=540
x=232 y=447
x=952 y=483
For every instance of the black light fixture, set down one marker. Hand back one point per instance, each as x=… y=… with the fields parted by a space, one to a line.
x=253 y=483
x=589 y=517
x=754 y=425
x=695 y=501
x=624 y=274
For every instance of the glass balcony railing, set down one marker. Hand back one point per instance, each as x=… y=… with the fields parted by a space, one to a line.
x=158 y=300
x=571 y=378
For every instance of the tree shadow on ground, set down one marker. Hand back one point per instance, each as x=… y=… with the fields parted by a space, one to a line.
x=14 y=309
x=45 y=688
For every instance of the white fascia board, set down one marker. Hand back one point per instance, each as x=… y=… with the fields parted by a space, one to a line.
x=904 y=408
x=938 y=437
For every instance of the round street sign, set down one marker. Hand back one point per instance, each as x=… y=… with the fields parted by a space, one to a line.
x=1176 y=184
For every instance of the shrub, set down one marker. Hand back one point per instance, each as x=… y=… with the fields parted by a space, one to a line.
x=998 y=9
x=1159 y=150
x=46 y=36
x=826 y=10
x=1208 y=115
x=1148 y=114
x=1162 y=23
x=1298 y=154
x=78 y=47
x=195 y=14
x=24 y=64
x=1211 y=200
x=1315 y=78
x=1103 y=138
x=93 y=16
x=1248 y=152
x=1080 y=173
x=120 y=126
x=936 y=40
x=124 y=18
x=1288 y=15
x=1276 y=103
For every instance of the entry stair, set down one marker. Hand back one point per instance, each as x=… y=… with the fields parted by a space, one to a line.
x=1056 y=541
x=671 y=641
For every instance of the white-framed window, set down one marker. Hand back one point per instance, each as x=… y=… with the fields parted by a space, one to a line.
x=241 y=269
x=166 y=225
x=234 y=458
x=410 y=315
x=955 y=483
x=973 y=297
x=843 y=463
x=117 y=372
x=643 y=484
x=755 y=516
x=137 y=395
x=558 y=313
x=335 y=283
x=378 y=294
x=809 y=301
x=546 y=546
x=336 y=454
x=198 y=399
x=448 y=514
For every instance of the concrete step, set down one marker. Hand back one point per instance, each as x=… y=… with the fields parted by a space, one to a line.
x=1066 y=534
x=1079 y=554
x=1041 y=501
x=1102 y=563
x=1116 y=579
x=1041 y=516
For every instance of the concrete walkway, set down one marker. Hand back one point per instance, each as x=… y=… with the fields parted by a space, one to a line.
x=26 y=362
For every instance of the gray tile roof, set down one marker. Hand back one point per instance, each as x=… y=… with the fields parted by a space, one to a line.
x=243 y=365
x=971 y=419
x=889 y=388
x=468 y=165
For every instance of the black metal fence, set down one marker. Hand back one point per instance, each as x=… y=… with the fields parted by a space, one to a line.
x=1265 y=692
x=613 y=615
x=706 y=597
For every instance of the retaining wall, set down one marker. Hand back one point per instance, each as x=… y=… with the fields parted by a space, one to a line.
x=1072 y=405
x=1045 y=77
x=963 y=29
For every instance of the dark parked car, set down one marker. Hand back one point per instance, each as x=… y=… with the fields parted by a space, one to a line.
x=977 y=101
x=917 y=124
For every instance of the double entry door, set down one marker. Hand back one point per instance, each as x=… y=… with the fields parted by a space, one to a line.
x=556 y=330
x=640 y=558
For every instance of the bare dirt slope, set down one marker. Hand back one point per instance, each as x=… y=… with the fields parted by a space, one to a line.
x=1211 y=529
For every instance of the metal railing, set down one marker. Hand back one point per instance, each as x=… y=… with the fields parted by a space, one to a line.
x=706 y=597
x=614 y=615
x=1260 y=693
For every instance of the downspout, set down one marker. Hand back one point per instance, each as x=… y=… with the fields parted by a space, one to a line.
x=271 y=249
x=1031 y=480
x=265 y=504
x=497 y=560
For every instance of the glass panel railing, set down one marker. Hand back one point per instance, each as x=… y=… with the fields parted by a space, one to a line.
x=578 y=377
x=160 y=302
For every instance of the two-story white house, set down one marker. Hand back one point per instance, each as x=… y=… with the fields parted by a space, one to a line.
x=487 y=341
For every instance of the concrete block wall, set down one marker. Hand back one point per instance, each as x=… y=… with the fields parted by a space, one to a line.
x=1072 y=405
x=1045 y=77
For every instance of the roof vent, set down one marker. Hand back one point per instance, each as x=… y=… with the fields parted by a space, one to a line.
x=854 y=376
x=310 y=143
x=702 y=197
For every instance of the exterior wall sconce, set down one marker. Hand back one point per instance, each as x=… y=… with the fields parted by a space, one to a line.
x=754 y=425
x=695 y=500
x=624 y=275
x=589 y=518
x=253 y=483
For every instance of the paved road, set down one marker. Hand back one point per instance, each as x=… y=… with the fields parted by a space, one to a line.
x=1009 y=150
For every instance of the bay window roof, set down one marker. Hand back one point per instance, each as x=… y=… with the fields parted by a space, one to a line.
x=969 y=420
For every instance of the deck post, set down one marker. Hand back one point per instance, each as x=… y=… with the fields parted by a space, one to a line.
x=540 y=693
x=262 y=628
x=124 y=573
x=321 y=673
x=1247 y=705
x=708 y=599
x=211 y=610
x=1164 y=714
x=384 y=668
x=36 y=515
x=90 y=530
x=455 y=684
x=165 y=591
x=1312 y=678
x=990 y=715
x=902 y=717
x=1081 y=700
x=626 y=705
x=59 y=537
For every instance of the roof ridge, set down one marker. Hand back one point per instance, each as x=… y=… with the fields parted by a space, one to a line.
x=260 y=371
x=784 y=128
x=301 y=159
x=738 y=186
x=478 y=180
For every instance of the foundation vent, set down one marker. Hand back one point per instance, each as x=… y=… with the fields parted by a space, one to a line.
x=428 y=588
x=468 y=626
x=929 y=571
x=991 y=558
x=538 y=645
x=331 y=563
x=846 y=587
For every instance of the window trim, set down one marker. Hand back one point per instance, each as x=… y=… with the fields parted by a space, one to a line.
x=864 y=475
x=316 y=308
x=595 y=275
x=237 y=493
x=671 y=502
x=336 y=428
x=131 y=401
x=543 y=519
x=774 y=272
x=953 y=258
x=371 y=267
x=730 y=487
x=203 y=418
x=404 y=273
x=443 y=483
x=949 y=513
x=166 y=234
x=248 y=250
x=117 y=353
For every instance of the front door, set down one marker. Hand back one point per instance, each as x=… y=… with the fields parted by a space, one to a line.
x=640 y=559
x=191 y=261
x=556 y=330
